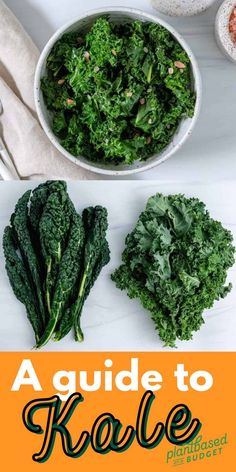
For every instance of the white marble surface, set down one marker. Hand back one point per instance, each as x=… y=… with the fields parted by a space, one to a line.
x=210 y=153
x=111 y=321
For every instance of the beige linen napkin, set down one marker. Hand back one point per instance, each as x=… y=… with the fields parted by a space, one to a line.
x=33 y=154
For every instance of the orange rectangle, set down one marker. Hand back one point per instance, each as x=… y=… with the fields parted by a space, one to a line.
x=204 y=384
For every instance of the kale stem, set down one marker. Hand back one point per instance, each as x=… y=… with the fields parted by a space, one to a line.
x=50 y=328
x=79 y=336
x=59 y=253
x=137 y=119
x=83 y=281
x=78 y=307
x=149 y=75
x=48 y=300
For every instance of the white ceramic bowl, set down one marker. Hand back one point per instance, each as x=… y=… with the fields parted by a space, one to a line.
x=83 y=24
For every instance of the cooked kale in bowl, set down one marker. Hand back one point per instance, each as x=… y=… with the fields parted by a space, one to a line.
x=117 y=93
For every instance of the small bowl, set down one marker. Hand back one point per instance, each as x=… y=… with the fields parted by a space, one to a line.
x=223 y=36
x=83 y=24
x=181 y=7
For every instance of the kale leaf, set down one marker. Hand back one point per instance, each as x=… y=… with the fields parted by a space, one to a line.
x=20 y=225
x=53 y=232
x=53 y=258
x=96 y=256
x=21 y=282
x=175 y=262
x=68 y=274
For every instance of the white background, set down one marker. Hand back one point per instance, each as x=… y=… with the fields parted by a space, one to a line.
x=110 y=320
x=210 y=153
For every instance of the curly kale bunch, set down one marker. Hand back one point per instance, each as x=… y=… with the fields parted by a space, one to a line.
x=176 y=261
x=118 y=93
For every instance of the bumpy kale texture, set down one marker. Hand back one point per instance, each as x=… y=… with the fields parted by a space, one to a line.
x=53 y=257
x=118 y=93
x=176 y=261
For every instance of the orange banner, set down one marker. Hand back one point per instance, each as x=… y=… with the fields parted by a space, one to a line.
x=114 y=411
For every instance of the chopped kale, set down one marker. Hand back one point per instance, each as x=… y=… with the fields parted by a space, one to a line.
x=118 y=94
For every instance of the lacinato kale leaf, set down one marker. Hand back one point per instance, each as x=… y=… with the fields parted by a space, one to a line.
x=68 y=274
x=38 y=200
x=96 y=255
x=20 y=225
x=118 y=93
x=175 y=262
x=21 y=281
x=53 y=258
x=53 y=232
